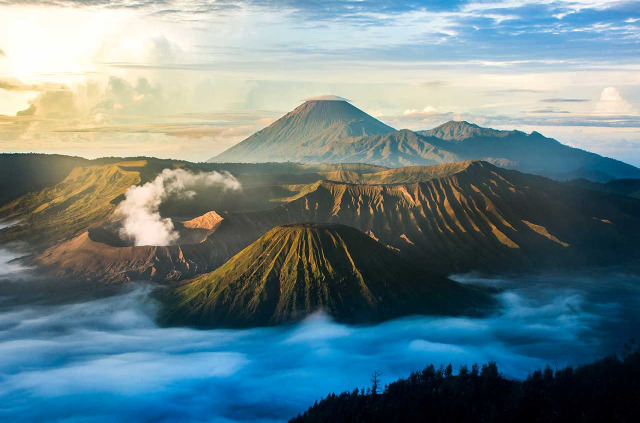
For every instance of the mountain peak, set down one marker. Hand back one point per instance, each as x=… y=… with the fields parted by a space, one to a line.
x=458 y=130
x=458 y=124
x=329 y=111
x=305 y=131
x=328 y=97
x=297 y=269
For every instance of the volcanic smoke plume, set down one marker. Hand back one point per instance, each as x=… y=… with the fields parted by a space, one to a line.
x=142 y=223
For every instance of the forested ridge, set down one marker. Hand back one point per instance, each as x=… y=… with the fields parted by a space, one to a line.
x=607 y=390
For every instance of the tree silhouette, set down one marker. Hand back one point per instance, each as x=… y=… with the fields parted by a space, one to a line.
x=604 y=391
x=375 y=381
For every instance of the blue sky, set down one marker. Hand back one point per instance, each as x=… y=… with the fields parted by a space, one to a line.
x=188 y=79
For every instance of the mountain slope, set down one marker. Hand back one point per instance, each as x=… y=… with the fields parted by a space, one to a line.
x=457 y=141
x=455 y=217
x=399 y=148
x=23 y=173
x=83 y=199
x=331 y=131
x=462 y=130
x=532 y=153
x=626 y=187
x=303 y=133
x=294 y=270
x=467 y=216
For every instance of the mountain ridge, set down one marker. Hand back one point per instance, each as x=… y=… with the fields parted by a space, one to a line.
x=456 y=217
x=460 y=130
x=334 y=131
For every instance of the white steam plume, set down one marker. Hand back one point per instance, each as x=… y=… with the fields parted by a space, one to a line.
x=142 y=222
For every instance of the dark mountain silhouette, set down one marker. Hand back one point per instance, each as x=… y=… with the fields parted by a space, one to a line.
x=626 y=187
x=23 y=173
x=604 y=391
x=295 y=270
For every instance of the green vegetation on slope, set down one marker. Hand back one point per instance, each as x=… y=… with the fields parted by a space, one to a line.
x=82 y=200
x=23 y=173
x=89 y=194
x=452 y=218
x=294 y=270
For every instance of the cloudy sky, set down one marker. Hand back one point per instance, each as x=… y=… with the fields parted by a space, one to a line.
x=189 y=78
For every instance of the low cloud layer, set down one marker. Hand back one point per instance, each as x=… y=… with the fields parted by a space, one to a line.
x=9 y=267
x=141 y=220
x=106 y=359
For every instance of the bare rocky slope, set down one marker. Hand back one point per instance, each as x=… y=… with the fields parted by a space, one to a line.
x=470 y=216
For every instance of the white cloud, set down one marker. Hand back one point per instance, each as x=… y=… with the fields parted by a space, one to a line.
x=611 y=102
x=142 y=223
x=426 y=112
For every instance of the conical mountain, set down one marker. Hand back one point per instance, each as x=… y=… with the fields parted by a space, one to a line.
x=305 y=132
x=295 y=270
x=334 y=131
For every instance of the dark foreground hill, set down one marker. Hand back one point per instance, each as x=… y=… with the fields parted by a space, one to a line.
x=605 y=391
x=295 y=270
x=23 y=173
x=626 y=187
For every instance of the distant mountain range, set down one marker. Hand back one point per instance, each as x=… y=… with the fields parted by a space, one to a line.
x=335 y=131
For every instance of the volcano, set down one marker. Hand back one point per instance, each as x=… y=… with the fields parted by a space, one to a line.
x=294 y=270
x=305 y=133
x=331 y=130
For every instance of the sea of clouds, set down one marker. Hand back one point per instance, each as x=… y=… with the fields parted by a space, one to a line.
x=106 y=360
